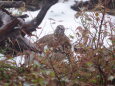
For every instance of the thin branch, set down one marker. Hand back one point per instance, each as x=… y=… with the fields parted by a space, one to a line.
x=102 y=74
x=55 y=72
x=100 y=28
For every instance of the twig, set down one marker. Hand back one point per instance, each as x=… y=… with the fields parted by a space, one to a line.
x=55 y=72
x=102 y=74
x=100 y=28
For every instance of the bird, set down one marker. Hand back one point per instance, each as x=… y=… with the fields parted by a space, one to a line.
x=57 y=42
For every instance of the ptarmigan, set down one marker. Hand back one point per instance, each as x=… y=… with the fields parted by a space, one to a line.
x=57 y=42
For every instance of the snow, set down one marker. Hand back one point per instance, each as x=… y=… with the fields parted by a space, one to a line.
x=59 y=14
x=2 y=57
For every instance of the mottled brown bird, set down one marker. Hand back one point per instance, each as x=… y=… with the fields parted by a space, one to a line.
x=57 y=42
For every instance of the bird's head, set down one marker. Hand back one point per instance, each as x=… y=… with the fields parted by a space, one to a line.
x=59 y=31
